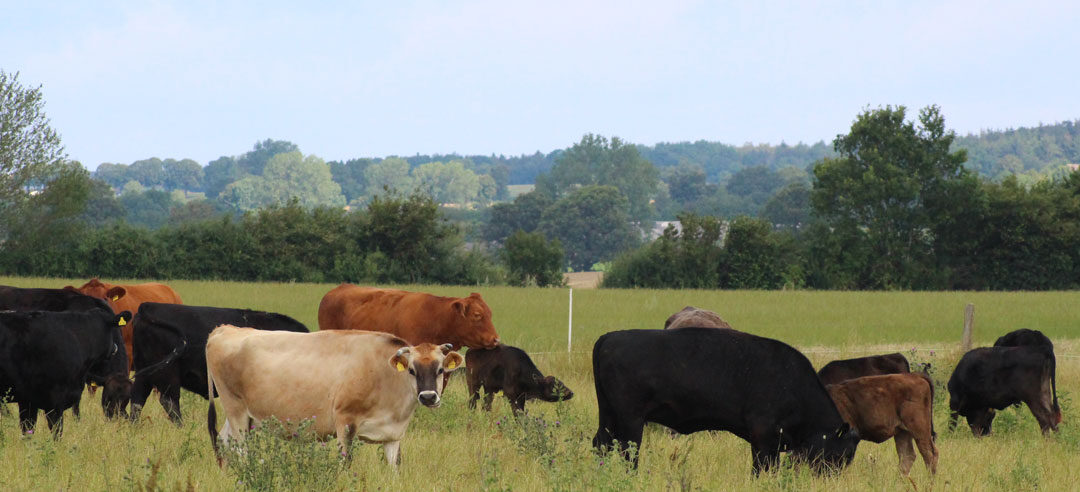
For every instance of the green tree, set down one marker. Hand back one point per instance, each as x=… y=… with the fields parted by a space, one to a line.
x=116 y=175
x=184 y=175
x=447 y=182
x=220 y=173
x=789 y=207
x=30 y=150
x=893 y=180
x=391 y=173
x=286 y=176
x=350 y=175
x=591 y=223
x=685 y=257
x=521 y=214
x=597 y=161
x=754 y=180
x=254 y=161
x=533 y=260
x=148 y=172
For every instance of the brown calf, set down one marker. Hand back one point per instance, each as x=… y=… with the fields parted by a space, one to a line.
x=898 y=406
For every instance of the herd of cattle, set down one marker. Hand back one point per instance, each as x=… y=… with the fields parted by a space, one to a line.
x=392 y=350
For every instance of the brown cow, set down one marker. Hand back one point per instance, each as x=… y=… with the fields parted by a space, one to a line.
x=898 y=406
x=128 y=298
x=692 y=316
x=416 y=317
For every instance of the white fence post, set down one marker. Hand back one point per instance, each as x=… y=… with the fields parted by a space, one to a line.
x=969 y=325
x=570 y=323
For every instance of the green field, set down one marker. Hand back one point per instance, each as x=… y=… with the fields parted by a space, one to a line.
x=454 y=448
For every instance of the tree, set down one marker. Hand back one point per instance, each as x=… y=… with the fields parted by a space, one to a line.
x=184 y=175
x=219 y=174
x=391 y=173
x=533 y=260
x=116 y=175
x=754 y=180
x=30 y=150
x=350 y=175
x=591 y=223
x=596 y=161
x=149 y=209
x=447 y=182
x=255 y=160
x=895 y=181
x=521 y=214
x=408 y=234
x=789 y=207
x=687 y=183
x=286 y=176
x=148 y=172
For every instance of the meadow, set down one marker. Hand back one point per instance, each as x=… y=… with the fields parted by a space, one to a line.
x=454 y=448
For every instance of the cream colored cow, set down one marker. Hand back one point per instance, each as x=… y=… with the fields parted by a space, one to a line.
x=352 y=383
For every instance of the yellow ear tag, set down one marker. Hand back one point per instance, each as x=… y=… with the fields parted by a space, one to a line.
x=122 y=322
x=400 y=367
x=115 y=297
x=451 y=365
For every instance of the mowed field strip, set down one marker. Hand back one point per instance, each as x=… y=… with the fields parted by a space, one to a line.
x=453 y=448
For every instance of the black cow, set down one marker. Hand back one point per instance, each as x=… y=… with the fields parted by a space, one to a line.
x=47 y=357
x=839 y=371
x=1023 y=337
x=992 y=378
x=510 y=370
x=170 y=348
x=695 y=379
x=20 y=299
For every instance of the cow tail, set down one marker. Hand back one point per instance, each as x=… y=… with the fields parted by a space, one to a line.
x=1053 y=385
x=933 y=433
x=211 y=413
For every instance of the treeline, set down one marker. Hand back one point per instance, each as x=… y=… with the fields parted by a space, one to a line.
x=396 y=239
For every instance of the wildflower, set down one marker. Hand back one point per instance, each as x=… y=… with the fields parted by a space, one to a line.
x=601 y=462
x=31 y=431
x=931 y=353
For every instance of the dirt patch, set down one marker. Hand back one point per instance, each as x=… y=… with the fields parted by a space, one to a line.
x=583 y=280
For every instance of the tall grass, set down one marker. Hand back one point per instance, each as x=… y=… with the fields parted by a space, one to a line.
x=453 y=448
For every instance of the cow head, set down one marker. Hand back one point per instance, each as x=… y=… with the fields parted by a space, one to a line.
x=115 y=395
x=552 y=389
x=980 y=420
x=831 y=451
x=430 y=366
x=111 y=371
x=477 y=329
x=96 y=288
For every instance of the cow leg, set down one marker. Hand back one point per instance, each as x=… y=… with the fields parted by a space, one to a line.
x=140 y=391
x=475 y=397
x=170 y=400
x=929 y=452
x=75 y=407
x=345 y=434
x=954 y=418
x=905 y=451
x=392 y=450
x=517 y=402
x=27 y=417
x=55 y=419
x=488 y=398
x=764 y=446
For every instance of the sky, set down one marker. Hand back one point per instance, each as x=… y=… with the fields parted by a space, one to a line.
x=124 y=81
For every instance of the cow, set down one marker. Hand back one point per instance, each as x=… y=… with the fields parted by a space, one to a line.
x=510 y=370
x=35 y=299
x=692 y=316
x=46 y=358
x=1022 y=337
x=128 y=298
x=992 y=378
x=376 y=382
x=416 y=317
x=896 y=406
x=762 y=390
x=842 y=370
x=170 y=342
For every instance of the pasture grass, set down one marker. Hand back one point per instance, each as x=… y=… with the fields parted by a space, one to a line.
x=454 y=448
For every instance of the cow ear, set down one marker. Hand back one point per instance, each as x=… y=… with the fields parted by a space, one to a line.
x=123 y=318
x=453 y=361
x=400 y=360
x=459 y=306
x=446 y=348
x=115 y=293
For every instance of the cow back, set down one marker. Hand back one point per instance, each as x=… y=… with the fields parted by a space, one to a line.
x=38 y=299
x=838 y=371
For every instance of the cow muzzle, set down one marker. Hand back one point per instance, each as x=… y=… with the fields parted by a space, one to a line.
x=429 y=398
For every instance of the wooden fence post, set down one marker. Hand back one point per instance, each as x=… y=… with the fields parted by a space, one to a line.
x=969 y=324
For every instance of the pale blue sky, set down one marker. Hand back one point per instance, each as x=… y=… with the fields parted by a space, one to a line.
x=130 y=80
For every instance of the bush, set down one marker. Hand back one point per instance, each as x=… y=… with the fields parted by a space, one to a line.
x=533 y=260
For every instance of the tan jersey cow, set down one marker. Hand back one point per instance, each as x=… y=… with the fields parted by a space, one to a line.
x=417 y=317
x=371 y=393
x=897 y=406
x=128 y=298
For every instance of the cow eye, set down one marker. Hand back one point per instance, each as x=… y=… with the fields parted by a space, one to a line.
x=440 y=370
x=412 y=372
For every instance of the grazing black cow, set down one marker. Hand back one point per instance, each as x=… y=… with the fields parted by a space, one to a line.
x=20 y=299
x=510 y=370
x=839 y=371
x=47 y=357
x=170 y=348
x=1023 y=337
x=992 y=378
x=695 y=379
